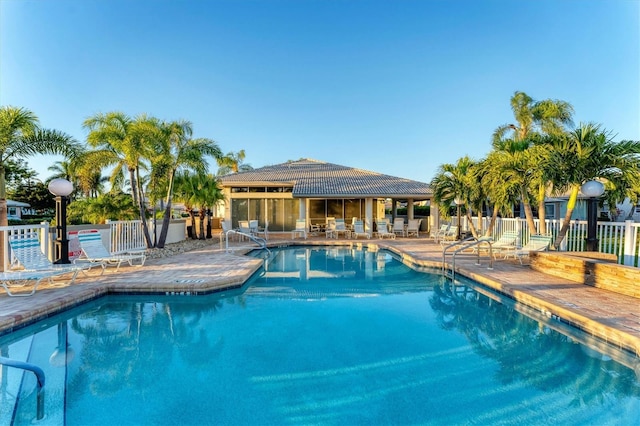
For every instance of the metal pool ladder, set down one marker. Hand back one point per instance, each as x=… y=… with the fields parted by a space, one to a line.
x=461 y=246
x=39 y=378
x=258 y=240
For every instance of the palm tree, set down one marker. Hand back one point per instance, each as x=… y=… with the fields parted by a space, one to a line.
x=501 y=191
x=458 y=181
x=589 y=153
x=534 y=119
x=21 y=137
x=232 y=163
x=197 y=191
x=124 y=144
x=180 y=151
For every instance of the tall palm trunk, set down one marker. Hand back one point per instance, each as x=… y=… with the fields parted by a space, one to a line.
x=528 y=214
x=541 y=211
x=139 y=196
x=166 y=218
x=492 y=222
x=571 y=205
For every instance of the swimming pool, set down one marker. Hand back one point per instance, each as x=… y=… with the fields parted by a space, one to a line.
x=320 y=336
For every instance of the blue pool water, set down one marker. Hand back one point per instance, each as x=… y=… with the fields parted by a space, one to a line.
x=335 y=336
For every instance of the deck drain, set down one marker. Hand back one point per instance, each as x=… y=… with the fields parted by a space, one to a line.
x=189 y=281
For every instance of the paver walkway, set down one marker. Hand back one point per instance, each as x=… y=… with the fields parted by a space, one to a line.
x=610 y=316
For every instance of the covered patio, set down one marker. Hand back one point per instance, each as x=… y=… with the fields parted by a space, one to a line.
x=314 y=190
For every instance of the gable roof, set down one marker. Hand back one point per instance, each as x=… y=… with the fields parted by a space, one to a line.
x=312 y=178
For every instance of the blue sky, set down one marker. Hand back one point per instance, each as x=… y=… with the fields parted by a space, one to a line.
x=398 y=87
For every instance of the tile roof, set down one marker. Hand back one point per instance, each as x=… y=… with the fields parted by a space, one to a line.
x=312 y=178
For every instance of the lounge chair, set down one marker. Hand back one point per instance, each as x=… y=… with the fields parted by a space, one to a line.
x=413 y=227
x=440 y=233
x=506 y=242
x=383 y=231
x=358 y=230
x=301 y=229
x=450 y=235
x=95 y=252
x=22 y=279
x=536 y=243
x=25 y=249
x=398 y=226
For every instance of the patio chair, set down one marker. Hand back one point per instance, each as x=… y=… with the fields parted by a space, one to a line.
x=244 y=228
x=95 y=252
x=450 y=235
x=536 y=243
x=413 y=227
x=383 y=231
x=341 y=228
x=253 y=227
x=330 y=229
x=440 y=233
x=25 y=249
x=398 y=226
x=358 y=230
x=301 y=229
x=21 y=279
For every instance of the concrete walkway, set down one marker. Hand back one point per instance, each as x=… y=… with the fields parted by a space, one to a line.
x=609 y=316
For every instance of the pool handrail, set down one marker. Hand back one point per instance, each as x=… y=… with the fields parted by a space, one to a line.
x=39 y=373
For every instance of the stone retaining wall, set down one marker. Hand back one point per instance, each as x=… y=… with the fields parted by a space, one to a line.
x=594 y=269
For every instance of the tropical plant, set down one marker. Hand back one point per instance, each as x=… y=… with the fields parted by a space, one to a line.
x=534 y=119
x=589 y=153
x=198 y=192
x=111 y=206
x=124 y=144
x=180 y=151
x=21 y=137
x=458 y=182
x=232 y=163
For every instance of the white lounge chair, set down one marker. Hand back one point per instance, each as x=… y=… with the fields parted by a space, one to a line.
x=358 y=230
x=398 y=226
x=535 y=243
x=21 y=279
x=450 y=235
x=506 y=242
x=95 y=252
x=413 y=227
x=440 y=233
x=26 y=252
x=383 y=231
x=301 y=229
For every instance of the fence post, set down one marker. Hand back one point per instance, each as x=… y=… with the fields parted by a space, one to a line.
x=629 y=243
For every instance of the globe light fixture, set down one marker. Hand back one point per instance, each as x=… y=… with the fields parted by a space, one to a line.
x=594 y=190
x=61 y=188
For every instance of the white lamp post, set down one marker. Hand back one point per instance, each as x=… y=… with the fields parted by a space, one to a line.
x=459 y=201
x=592 y=189
x=61 y=188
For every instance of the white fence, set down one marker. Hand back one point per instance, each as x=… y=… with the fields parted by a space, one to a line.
x=619 y=238
x=118 y=237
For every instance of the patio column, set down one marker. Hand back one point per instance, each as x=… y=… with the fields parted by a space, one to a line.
x=410 y=208
x=302 y=210
x=434 y=217
x=368 y=215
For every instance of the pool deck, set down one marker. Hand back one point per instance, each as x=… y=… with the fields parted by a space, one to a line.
x=612 y=317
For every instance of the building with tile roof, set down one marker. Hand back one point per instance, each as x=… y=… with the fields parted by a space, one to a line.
x=314 y=190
